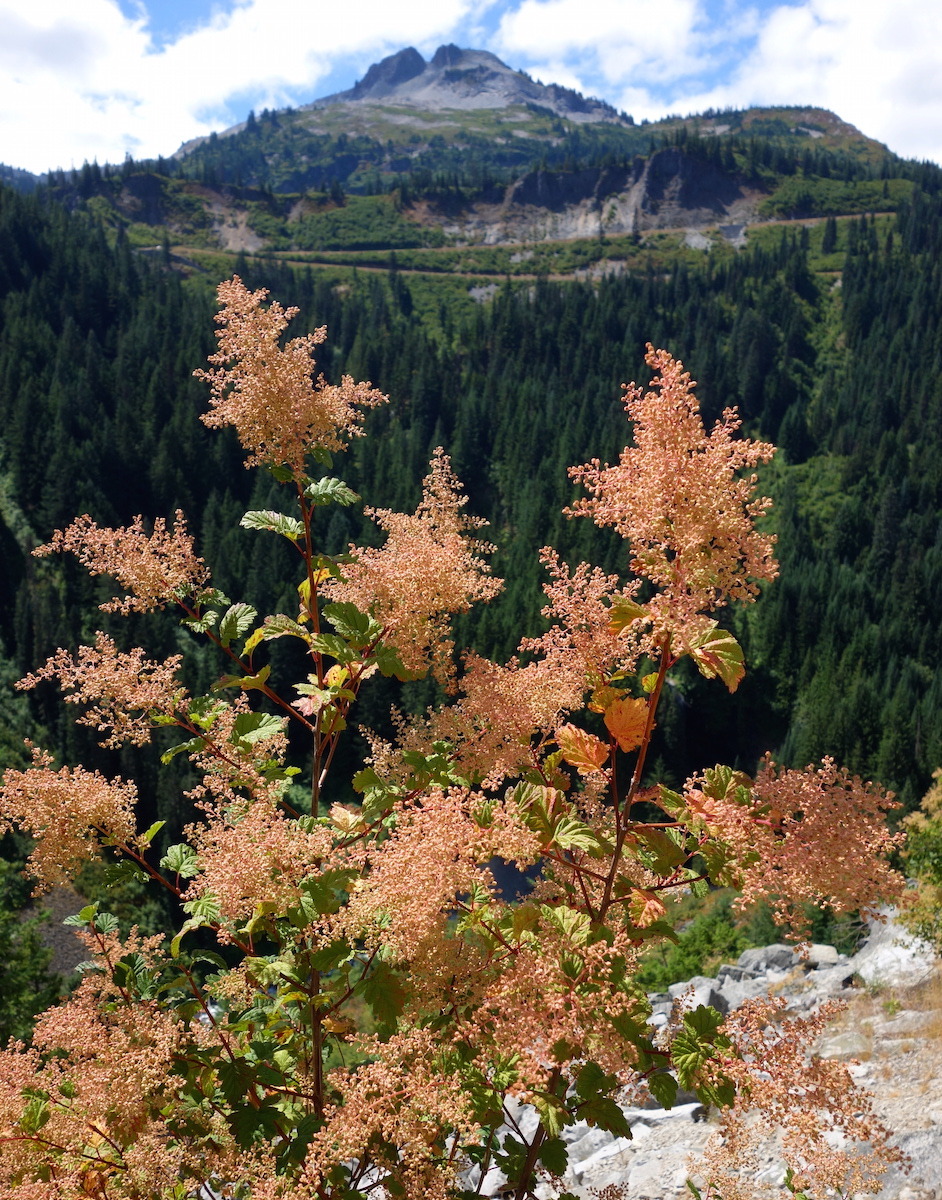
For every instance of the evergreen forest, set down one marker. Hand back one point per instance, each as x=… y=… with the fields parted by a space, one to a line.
x=826 y=334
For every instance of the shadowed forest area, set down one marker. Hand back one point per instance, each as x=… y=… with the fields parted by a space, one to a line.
x=827 y=339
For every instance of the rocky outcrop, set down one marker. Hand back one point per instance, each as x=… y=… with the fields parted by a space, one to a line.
x=892 y=1027
x=463 y=79
x=668 y=190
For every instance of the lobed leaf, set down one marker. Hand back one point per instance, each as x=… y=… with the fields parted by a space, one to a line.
x=330 y=491
x=276 y=522
x=716 y=652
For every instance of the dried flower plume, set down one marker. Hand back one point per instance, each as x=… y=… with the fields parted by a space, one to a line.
x=268 y=393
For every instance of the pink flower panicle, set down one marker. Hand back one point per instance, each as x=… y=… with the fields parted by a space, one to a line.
x=70 y=813
x=268 y=393
x=428 y=569
x=677 y=498
x=831 y=1137
x=154 y=568
x=122 y=690
x=816 y=836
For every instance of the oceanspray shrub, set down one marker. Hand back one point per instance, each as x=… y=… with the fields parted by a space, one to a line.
x=375 y=1005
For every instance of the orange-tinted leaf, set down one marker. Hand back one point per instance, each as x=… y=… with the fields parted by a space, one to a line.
x=625 y=720
x=716 y=652
x=645 y=907
x=581 y=750
x=623 y=614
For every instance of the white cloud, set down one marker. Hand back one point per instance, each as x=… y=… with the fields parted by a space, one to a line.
x=876 y=63
x=614 y=40
x=82 y=80
x=79 y=79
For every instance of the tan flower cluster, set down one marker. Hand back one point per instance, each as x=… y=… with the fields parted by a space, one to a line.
x=831 y=1138
x=579 y=606
x=280 y=413
x=69 y=812
x=428 y=569
x=123 y=690
x=398 y=1110
x=260 y=855
x=676 y=496
x=234 y=769
x=105 y=1066
x=553 y=990
x=503 y=706
x=431 y=857
x=816 y=836
x=154 y=568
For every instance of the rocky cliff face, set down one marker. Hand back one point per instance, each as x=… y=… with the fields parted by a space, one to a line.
x=463 y=79
x=669 y=190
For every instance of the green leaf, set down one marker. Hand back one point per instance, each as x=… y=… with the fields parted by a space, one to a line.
x=253 y=727
x=237 y=620
x=85 y=916
x=330 y=957
x=282 y=473
x=335 y=647
x=391 y=665
x=704 y=1021
x=573 y=834
x=552 y=1112
x=665 y=855
x=663 y=1088
x=673 y=803
x=330 y=491
x=574 y=925
x=603 y=1112
x=202 y=623
x=181 y=859
x=696 y=1042
x=356 y=627
x=250 y=1125
x=384 y=992
x=623 y=612
x=554 y=1155
x=34 y=1116
x=716 y=652
x=592 y=1081
x=247 y=683
x=148 y=836
x=324 y=890
x=289 y=527
x=187 y=747
x=280 y=625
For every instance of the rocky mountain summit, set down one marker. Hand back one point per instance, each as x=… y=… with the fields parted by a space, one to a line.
x=890 y=1036
x=463 y=79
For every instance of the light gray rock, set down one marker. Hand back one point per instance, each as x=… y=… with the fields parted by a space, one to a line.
x=822 y=956
x=734 y=971
x=845 y=1045
x=736 y=991
x=777 y=957
x=891 y=957
x=699 y=990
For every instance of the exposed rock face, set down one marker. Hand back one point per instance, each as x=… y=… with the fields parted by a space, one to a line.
x=669 y=190
x=895 y=1034
x=464 y=79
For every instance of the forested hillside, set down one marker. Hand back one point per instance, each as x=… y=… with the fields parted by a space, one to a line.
x=827 y=337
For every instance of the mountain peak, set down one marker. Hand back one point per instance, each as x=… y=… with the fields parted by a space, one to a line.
x=462 y=79
x=390 y=72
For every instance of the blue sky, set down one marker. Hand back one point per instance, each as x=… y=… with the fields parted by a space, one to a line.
x=86 y=79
